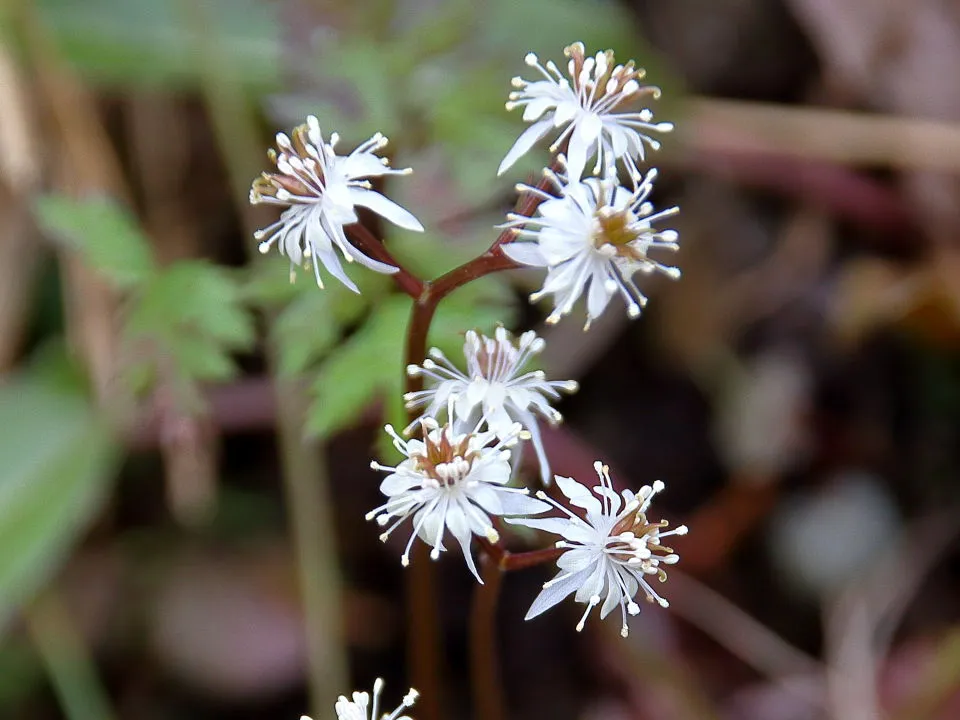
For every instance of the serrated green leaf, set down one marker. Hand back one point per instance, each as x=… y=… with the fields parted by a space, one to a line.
x=103 y=232
x=58 y=461
x=189 y=318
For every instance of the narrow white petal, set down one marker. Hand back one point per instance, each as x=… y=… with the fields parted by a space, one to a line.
x=386 y=208
x=553 y=594
x=525 y=253
x=557 y=526
x=528 y=138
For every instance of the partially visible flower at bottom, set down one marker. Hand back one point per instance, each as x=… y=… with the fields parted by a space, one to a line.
x=610 y=554
x=360 y=707
x=451 y=480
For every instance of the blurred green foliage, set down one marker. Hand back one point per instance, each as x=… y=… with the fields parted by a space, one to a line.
x=181 y=323
x=58 y=461
x=157 y=42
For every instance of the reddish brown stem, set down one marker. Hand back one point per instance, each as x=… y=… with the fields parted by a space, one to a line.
x=424 y=635
x=521 y=561
x=507 y=560
x=484 y=665
x=368 y=244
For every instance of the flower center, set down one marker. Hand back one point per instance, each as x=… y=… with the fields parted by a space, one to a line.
x=613 y=227
x=300 y=174
x=444 y=461
x=601 y=79
x=634 y=540
x=492 y=358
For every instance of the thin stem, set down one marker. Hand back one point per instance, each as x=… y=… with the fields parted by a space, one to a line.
x=490 y=262
x=484 y=665
x=310 y=507
x=508 y=561
x=521 y=561
x=67 y=658
x=369 y=245
x=423 y=650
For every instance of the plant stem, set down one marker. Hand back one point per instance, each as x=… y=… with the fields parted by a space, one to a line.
x=310 y=507
x=423 y=650
x=484 y=666
x=367 y=243
x=67 y=659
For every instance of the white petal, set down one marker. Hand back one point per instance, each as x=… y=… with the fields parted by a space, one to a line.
x=525 y=253
x=565 y=112
x=515 y=503
x=594 y=583
x=576 y=156
x=557 y=526
x=528 y=138
x=553 y=594
x=598 y=297
x=327 y=256
x=386 y=208
x=614 y=595
x=529 y=423
x=457 y=523
x=396 y=483
x=487 y=497
x=579 y=495
x=537 y=107
x=361 y=165
x=618 y=141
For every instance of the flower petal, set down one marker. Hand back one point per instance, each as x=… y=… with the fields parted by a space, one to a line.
x=528 y=138
x=386 y=208
x=525 y=253
x=553 y=594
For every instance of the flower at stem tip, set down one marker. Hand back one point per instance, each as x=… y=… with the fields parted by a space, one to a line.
x=589 y=104
x=321 y=191
x=609 y=554
x=451 y=480
x=494 y=387
x=592 y=236
x=360 y=707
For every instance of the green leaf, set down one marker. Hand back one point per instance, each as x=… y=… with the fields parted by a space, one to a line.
x=368 y=365
x=190 y=317
x=58 y=461
x=103 y=232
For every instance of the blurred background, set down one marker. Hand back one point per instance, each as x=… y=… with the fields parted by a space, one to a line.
x=186 y=435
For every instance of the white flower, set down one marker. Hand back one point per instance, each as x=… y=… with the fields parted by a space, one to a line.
x=587 y=105
x=451 y=481
x=610 y=553
x=597 y=233
x=320 y=190
x=493 y=387
x=360 y=708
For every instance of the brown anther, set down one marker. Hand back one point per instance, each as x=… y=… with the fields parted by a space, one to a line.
x=620 y=75
x=441 y=453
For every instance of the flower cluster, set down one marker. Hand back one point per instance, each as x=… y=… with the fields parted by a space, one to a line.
x=594 y=234
x=593 y=229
